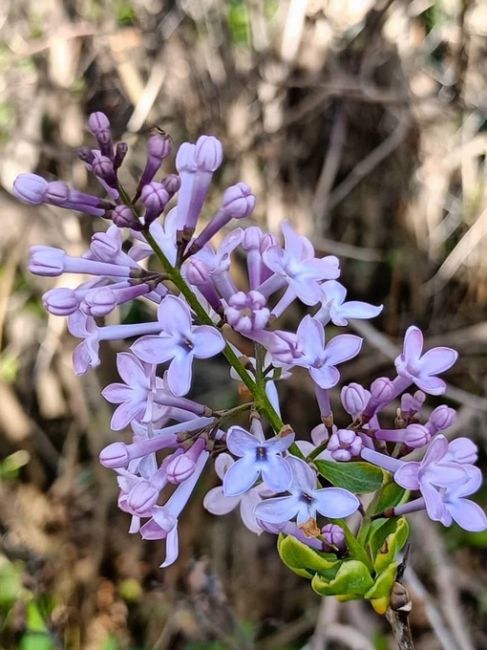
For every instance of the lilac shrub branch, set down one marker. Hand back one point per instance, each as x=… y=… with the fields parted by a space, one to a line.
x=302 y=491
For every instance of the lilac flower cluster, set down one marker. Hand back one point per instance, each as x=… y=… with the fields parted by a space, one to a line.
x=155 y=250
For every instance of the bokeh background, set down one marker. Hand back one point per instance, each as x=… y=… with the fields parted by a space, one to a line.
x=362 y=121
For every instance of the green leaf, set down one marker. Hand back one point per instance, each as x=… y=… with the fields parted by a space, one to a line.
x=386 y=542
x=355 y=549
x=380 y=593
x=390 y=495
x=304 y=560
x=352 y=580
x=357 y=477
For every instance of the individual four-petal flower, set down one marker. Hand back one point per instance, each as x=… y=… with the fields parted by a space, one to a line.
x=179 y=342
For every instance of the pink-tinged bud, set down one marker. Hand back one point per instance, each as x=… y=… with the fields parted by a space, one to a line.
x=344 y=444
x=197 y=272
x=46 y=260
x=115 y=456
x=185 y=161
x=171 y=184
x=123 y=217
x=238 y=201
x=179 y=469
x=30 y=188
x=142 y=497
x=411 y=404
x=57 y=192
x=441 y=418
x=252 y=238
x=416 y=436
x=154 y=196
x=354 y=399
x=99 y=125
x=60 y=302
x=159 y=146
x=333 y=537
x=208 y=153
x=100 y=302
x=382 y=389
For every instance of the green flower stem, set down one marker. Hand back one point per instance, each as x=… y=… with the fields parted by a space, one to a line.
x=257 y=389
x=355 y=549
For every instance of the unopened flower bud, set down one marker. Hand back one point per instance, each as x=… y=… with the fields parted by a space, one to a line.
x=412 y=404
x=238 y=201
x=120 y=153
x=319 y=434
x=382 y=389
x=60 y=302
x=333 y=537
x=46 y=260
x=344 y=444
x=179 y=469
x=441 y=418
x=208 y=154
x=30 y=188
x=114 y=456
x=354 y=399
x=252 y=238
x=123 y=217
x=154 y=196
x=100 y=302
x=57 y=192
x=171 y=184
x=159 y=146
x=99 y=125
x=142 y=497
x=416 y=436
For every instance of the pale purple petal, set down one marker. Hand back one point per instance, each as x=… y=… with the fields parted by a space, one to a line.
x=222 y=463
x=334 y=291
x=219 y=504
x=445 y=474
x=304 y=477
x=311 y=337
x=325 y=377
x=207 y=341
x=248 y=503
x=323 y=268
x=433 y=501
x=413 y=344
x=277 y=473
x=468 y=515
x=240 y=477
x=342 y=348
x=241 y=442
x=307 y=290
x=179 y=374
x=154 y=349
x=117 y=393
x=277 y=510
x=335 y=503
x=125 y=413
x=463 y=450
x=131 y=370
x=437 y=360
x=407 y=476
x=358 y=309
x=437 y=449
x=279 y=443
x=172 y=547
x=174 y=316
x=297 y=246
x=430 y=385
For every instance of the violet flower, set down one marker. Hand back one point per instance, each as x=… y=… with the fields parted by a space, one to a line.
x=305 y=500
x=335 y=309
x=421 y=369
x=257 y=458
x=218 y=503
x=178 y=342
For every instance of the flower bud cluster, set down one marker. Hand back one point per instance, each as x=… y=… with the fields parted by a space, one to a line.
x=272 y=477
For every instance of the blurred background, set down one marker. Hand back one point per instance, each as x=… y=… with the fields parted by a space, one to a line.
x=365 y=123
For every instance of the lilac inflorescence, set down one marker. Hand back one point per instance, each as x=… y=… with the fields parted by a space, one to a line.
x=271 y=476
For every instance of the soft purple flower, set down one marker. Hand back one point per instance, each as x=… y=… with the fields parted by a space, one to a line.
x=178 y=342
x=154 y=197
x=321 y=359
x=422 y=369
x=414 y=435
x=335 y=309
x=305 y=500
x=218 y=503
x=412 y=404
x=344 y=444
x=441 y=418
x=297 y=266
x=99 y=125
x=158 y=147
x=257 y=458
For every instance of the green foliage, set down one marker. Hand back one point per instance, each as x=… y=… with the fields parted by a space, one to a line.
x=390 y=495
x=357 y=477
x=10 y=466
x=238 y=21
